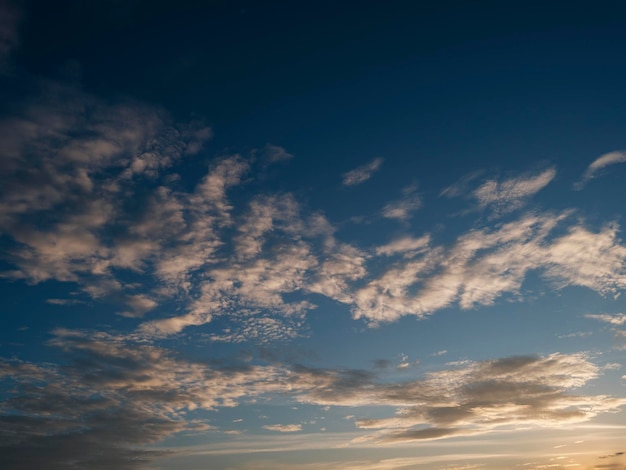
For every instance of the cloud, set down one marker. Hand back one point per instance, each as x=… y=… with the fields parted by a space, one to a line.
x=64 y=301
x=402 y=209
x=91 y=198
x=276 y=153
x=75 y=158
x=139 y=304
x=511 y=194
x=616 y=319
x=485 y=264
x=475 y=398
x=116 y=395
x=407 y=246
x=461 y=187
x=113 y=397
x=611 y=158
x=362 y=173
x=283 y=427
x=501 y=197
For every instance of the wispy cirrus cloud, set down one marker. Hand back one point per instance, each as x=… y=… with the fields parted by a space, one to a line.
x=283 y=427
x=616 y=319
x=276 y=153
x=403 y=208
x=595 y=167
x=501 y=197
x=362 y=173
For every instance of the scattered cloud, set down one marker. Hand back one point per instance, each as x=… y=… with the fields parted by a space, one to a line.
x=403 y=209
x=64 y=301
x=253 y=260
x=113 y=397
x=616 y=319
x=139 y=304
x=611 y=158
x=462 y=186
x=407 y=246
x=362 y=173
x=276 y=153
x=485 y=264
x=283 y=427
x=502 y=197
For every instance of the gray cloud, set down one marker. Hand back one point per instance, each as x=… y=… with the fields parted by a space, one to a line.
x=362 y=173
x=475 y=398
x=116 y=395
x=113 y=397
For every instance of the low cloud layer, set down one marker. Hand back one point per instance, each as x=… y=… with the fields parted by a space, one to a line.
x=115 y=395
x=476 y=398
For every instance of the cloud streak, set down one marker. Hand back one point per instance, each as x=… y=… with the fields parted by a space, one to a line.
x=362 y=173
x=595 y=167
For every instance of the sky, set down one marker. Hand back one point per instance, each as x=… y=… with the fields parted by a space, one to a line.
x=266 y=235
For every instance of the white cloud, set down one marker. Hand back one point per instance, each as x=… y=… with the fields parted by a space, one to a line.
x=485 y=264
x=283 y=427
x=611 y=158
x=407 y=246
x=511 y=194
x=139 y=305
x=616 y=319
x=95 y=208
x=363 y=173
x=81 y=168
